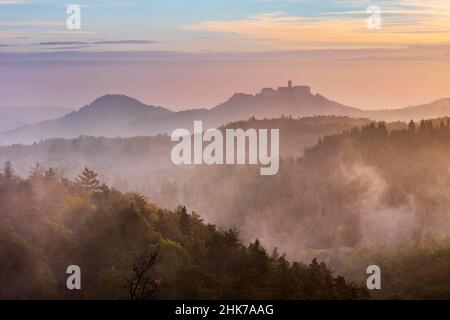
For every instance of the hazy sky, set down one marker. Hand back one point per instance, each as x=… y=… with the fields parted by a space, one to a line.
x=181 y=53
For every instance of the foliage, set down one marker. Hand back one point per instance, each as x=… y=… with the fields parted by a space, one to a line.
x=48 y=223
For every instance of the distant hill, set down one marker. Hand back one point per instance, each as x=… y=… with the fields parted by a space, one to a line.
x=142 y=159
x=119 y=115
x=436 y=109
x=110 y=115
x=15 y=117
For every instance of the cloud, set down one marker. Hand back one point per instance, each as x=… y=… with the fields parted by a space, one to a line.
x=31 y=23
x=12 y=2
x=406 y=23
x=104 y=42
x=69 y=47
x=71 y=32
x=125 y=42
x=58 y=43
x=8 y=34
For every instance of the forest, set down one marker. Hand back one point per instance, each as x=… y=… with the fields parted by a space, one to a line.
x=48 y=223
x=378 y=194
x=365 y=193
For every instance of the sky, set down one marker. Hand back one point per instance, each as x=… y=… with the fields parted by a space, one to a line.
x=197 y=53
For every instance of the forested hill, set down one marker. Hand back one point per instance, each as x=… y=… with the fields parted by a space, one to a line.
x=127 y=248
x=368 y=184
x=371 y=195
x=140 y=156
x=120 y=115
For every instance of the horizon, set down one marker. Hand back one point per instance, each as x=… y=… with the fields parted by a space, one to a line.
x=246 y=150
x=246 y=93
x=197 y=54
x=147 y=103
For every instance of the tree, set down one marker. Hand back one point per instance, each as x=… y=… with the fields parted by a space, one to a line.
x=184 y=220
x=50 y=175
x=37 y=171
x=88 y=180
x=141 y=286
x=8 y=172
x=422 y=125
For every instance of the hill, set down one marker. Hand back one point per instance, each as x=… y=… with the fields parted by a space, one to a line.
x=110 y=115
x=144 y=159
x=122 y=116
x=47 y=224
x=436 y=109
x=376 y=194
x=15 y=117
x=118 y=115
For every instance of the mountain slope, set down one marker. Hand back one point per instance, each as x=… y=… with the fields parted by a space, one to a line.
x=145 y=158
x=294 y=101
x=436 y=109
x=119 y=115
x=110 y=115
x=15 y=117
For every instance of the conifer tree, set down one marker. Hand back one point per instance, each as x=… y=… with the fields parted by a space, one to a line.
x=88 y=180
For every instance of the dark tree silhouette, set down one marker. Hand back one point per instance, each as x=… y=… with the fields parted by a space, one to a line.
x=141 y=286
x=88 y=180
x=8 y=171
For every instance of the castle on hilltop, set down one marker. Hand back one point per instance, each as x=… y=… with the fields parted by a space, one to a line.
x=297 y=90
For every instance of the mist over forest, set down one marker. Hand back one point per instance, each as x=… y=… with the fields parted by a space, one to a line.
x=236 y=151
x=349 y=192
